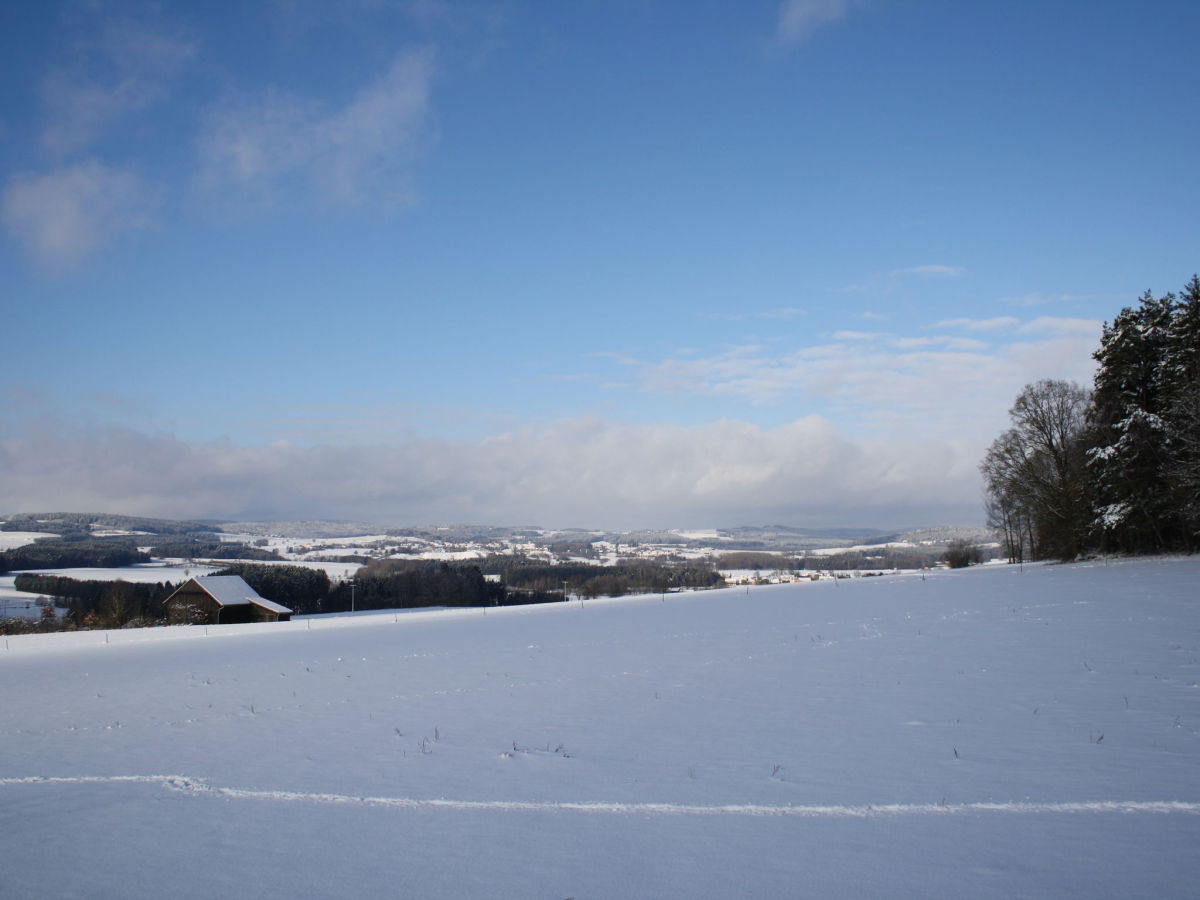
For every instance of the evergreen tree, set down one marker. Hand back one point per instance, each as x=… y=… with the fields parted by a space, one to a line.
x=1180 y=366
x=1180 y=375
x=1128 y=456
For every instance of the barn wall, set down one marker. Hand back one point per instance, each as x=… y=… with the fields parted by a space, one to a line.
x=261 y=614
x=191 y=605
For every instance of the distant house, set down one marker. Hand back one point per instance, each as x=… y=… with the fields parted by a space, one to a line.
x=221 y=600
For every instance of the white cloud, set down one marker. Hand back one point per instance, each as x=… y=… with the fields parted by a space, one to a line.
x=798 y=19
x=997 y=323
x=346 y=154
x=944 y=341
x=780 y=313
x=63 y=215
x=1035 y=299
x=948 y=342
x=124 y=67
x=936 y=271
x=576 y=472
x=942 y=384
x=1055 y=326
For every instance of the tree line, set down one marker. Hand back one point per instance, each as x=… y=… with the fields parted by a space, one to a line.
x=206 y=548
x=81 y=551
x=610 y=581
x=81 y=523
x=100 y=604
x=1114 y=468
x=875 y=558
x=409 y=584
x=56 y=554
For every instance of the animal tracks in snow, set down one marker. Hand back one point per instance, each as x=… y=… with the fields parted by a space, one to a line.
x=199 y=788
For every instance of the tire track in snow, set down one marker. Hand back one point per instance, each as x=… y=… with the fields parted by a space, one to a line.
x=197 y=787
x=88 y=779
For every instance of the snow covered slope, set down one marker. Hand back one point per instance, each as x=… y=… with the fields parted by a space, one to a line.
x=980 y=733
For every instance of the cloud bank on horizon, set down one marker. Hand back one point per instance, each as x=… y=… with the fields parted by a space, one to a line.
x=573 y=473
x=572 y=265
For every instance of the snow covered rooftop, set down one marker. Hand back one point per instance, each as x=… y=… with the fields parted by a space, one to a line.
x=232 y=590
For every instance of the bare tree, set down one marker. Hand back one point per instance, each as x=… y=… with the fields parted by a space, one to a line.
x=960 y=554
x=1034 y=472
x=1004 y=518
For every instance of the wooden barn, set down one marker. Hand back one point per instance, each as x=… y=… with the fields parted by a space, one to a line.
x=221 y=600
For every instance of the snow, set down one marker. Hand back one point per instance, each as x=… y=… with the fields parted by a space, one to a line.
x=227 y=590
x=142 y=573
x=444 y=555
x=1113 y=515
x=706 y=534
x=16 y=604
x=335 y=570
x=232 y=590
x=10 y=540
x=863 y=548
x=988 y=732
x=179 y=571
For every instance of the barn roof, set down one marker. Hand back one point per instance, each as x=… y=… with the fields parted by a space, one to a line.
x=232 y=590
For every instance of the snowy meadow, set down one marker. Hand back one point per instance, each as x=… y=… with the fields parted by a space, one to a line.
x=989 y=732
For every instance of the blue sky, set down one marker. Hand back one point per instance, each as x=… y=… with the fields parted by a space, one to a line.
x=615 y=264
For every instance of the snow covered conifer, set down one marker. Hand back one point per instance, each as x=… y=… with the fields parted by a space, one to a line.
x=1181 y=351
x=1180 y=373
x=1132 y=428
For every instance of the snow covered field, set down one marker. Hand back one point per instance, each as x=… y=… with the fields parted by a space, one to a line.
x=16 y=604
x=979 y=733
x=175 y=571
x=12 y=539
